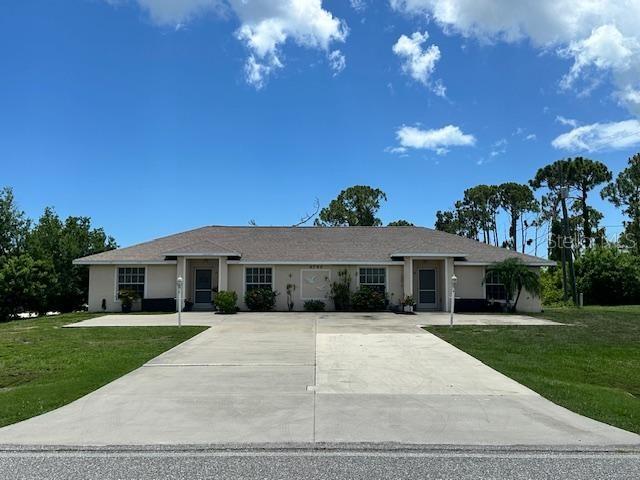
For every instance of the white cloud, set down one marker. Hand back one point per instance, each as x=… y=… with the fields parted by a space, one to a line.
x=438 y=140
x=567 y=121
x=265 y=26
x=358 y=5
x=531 y=137
x=499 y=148
x=419 y=62
x=600 y=136
x=599 y=36
x=337 y=62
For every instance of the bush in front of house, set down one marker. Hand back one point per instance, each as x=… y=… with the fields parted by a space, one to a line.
x=314 y=306
x=260 y=299
x=368 y=300
x=341 y=291
x=226 y=301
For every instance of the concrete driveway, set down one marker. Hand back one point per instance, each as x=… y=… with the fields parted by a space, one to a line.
x=305 y=378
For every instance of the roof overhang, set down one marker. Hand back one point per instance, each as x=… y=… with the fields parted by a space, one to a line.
x=201 y=254
x=428 y=255
x=81 y=261
x=541 y=263
x=309 y=262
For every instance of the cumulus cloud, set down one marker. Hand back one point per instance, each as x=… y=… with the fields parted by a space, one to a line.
x=438 y=140
x=265 y=26
x=599 y=36
x=419 y=62
x=600 y=136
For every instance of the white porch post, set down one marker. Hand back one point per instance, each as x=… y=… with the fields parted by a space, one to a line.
x=408 y=276
x=222 y=273
x=447 y=286
x=181 y=271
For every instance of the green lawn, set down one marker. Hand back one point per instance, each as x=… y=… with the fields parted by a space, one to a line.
x=590 y=366
x=44 y=366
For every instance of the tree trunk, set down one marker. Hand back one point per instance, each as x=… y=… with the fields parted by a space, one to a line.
x=515 y=304
x=514 y=233
x=568 y=251
x=586 y=225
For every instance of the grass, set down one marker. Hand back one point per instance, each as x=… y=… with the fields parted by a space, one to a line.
x=44 y=366
x=590 y=366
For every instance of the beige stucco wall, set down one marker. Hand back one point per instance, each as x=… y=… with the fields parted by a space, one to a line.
x=470 y=282
x=470 y=285
x=284 y=274
x=160 y=282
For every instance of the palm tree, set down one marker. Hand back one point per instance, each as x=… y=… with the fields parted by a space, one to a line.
x=515 y=276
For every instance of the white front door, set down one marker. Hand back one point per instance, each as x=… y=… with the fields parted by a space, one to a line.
x=427 y=288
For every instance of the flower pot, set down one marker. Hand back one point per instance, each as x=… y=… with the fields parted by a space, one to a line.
x=126 y=308
x=408 y=308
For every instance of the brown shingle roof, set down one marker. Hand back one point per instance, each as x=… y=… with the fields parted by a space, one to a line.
x=311 y=244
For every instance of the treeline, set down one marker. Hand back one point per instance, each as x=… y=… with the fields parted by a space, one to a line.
x=36 y=270
x=562 y=222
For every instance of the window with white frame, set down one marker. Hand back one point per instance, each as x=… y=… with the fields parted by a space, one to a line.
x=494 y=287
x=258 y=277
x=373 y=278
x=132 y=279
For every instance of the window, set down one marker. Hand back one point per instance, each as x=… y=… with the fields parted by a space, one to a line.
x=131 y=278
x=258 y=277
x=495 y=288
x=373 y=278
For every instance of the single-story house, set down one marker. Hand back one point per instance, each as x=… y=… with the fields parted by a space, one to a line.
x=400 y=261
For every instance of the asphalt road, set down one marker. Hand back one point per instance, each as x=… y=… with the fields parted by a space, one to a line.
x=327 y=464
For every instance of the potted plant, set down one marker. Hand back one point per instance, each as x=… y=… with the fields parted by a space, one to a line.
x=408 y=304
x=188 y=305
x=127 y=297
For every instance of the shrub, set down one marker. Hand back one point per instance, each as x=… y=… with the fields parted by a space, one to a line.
x=260 y=299
x=314 y=306
x=226 y=301
x=551 y=286
x=607 y=276
x=368 y=300
x=341 y=291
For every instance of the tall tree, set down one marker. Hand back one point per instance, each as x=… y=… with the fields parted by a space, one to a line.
x=624 y=192
x=448 y=221
x=354 y=206
x=558 y=177
x=517 y=200
x=13 y=224
x=483 y=202
x=59 y=243
x=587 y=174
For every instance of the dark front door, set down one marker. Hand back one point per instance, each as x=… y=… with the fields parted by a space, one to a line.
x=427 y=288
x=203 y=290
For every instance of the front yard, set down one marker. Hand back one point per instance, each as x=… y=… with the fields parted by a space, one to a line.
x=44 y=366
x=590 y=366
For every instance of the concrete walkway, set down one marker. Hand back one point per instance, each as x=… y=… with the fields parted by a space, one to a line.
x=304 y=378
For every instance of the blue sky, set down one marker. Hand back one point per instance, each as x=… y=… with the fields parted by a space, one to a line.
x=155 y=116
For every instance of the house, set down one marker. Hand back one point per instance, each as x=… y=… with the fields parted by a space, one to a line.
x=397 y=260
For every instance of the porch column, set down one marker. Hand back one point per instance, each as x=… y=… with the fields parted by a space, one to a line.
x=181 y=271
x=447 y=286
x=448 y=273
x=408 y=276
x=222 y=273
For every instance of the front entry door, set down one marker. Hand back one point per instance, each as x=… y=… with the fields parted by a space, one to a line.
x=203 y=290
x=427 y=288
